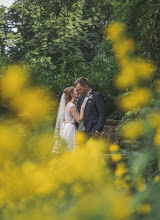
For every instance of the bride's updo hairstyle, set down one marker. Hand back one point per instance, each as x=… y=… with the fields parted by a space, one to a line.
x=68 y=91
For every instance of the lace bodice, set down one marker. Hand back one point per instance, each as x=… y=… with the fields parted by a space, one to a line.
x=67 y=115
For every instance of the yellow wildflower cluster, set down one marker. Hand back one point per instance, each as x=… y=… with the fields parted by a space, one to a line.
x=141 y=185
x=10 y=141
x=139 y=97
x=144 y=209
x=115 y=31
x=132 y=69
x=154 y=119
x=80 y=175
x=157 y=86
x=157 y=138
x=113 y=147
x=132 y=130
x=120 y=169
x=157 y=179
x=29 y=103
x=116 y=157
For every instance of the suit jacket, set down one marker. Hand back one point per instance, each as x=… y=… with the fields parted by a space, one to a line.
x=94 y=113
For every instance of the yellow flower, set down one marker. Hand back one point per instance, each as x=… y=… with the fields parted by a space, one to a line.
x=144 y=209
x=120 y=170
x=13 y=80
x=34 y=104
x=113 y=148
x=77 y=189
x=123 y=47
x=116 y=157
x=117 y=209
x=126 y=78
x=143 y=68
x=157 y=138
x=10 y=141
x=132 y=72
x=154 y=119
x=141 y=186
x=121 y=184
x=114 y=31
x=132 y=130
x=80 y=138
x=138 y=98
x=157 y=86
x=60 y=193
x=127 y=177
x=43 y=144
x=156 y=179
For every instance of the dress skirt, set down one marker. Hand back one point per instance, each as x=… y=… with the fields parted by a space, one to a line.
x=67 y=133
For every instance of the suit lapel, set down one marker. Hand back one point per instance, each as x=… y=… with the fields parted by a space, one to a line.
x=91 y=93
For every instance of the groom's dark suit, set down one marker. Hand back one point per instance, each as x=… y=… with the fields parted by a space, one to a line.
x=94 y=113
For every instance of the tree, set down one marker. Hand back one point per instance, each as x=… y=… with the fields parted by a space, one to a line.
x=62 y=45
x=137 y=15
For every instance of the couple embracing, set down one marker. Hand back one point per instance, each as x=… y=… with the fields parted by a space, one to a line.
x=89 y=112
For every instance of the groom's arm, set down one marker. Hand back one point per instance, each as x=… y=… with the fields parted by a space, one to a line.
x=101 y=113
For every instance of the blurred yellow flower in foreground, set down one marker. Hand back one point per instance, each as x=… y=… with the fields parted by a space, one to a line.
x=120 y=170
x=115 y=31
x=10 y=141
x=113 y=147
x=121 y=183
x=116 y=157
x=122 y=48
x=143 y=68
x=13 y=80
x=126 y=78
x=30 y=103
x=135 y=68
x=34 y=104
x=77 y=189
x=141 y=185
x=157 y=86
x=80 y=138
x=156 y=179
x=144 y=209
x=132 y=130
x=154 y=119
x=157 y=138
x=42 y=145
x=132 y=72
x=138 y=98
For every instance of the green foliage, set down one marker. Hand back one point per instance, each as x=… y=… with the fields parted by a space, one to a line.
x=143 y=23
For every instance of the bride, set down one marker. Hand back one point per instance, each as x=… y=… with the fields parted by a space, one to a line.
x=67 y=117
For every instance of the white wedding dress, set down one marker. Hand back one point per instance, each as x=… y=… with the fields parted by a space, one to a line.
x=65 y=128
x=68 y=127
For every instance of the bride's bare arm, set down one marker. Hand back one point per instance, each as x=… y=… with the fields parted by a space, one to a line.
x=76 y=115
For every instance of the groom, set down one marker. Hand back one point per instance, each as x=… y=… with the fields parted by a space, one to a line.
x=94 y=113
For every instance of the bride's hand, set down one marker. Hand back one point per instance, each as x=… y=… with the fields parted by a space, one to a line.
x=84 y=102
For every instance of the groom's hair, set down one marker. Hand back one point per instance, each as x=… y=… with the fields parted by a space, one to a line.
x=82 y=81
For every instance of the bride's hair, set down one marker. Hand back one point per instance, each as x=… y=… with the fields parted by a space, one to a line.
x=68 y=91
